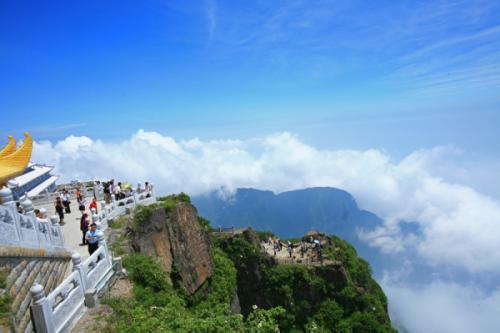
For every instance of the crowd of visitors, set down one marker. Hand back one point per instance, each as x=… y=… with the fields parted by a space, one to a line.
x=89 y=231
x=312 y=244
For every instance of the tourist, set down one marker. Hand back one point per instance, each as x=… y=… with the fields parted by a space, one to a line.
x=97 y=188
x=117 y=190
x=91 y=238
x=78 y=194
x=107 y=193
x=276 y=247
x=41 y=215
x=93 y=205
x=81 y=205
x=290 y=248
x=60 y=210
x=66 y=201
x=84 y=227
x=302 y=249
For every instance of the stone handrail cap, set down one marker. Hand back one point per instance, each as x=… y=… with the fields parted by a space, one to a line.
x=76 y=258
x=27 y=205
x=54 y=219
x=5 y=195
x=37 y=292
x=5 y=191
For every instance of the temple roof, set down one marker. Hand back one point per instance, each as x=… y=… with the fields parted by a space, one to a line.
x=37 y=171
x=41 y=187
x=16 y=162
x=9 y=148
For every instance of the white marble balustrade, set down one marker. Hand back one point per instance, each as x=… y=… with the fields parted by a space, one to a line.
x=24 y=230
x=58 y=311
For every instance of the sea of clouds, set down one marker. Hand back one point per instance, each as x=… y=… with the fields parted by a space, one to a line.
x=459 y=227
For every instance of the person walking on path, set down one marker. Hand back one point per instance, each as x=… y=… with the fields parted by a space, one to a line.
x=60 y=210
x=81 y=205
x=66 y=202
x=84 y=227
x=91 y=238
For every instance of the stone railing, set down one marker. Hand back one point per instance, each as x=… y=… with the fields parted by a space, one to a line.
x=58 y=311
x=117 y=208
x=50 y=197
x=24 y=230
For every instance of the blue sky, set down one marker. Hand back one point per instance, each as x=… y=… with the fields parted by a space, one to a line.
x=395 y=75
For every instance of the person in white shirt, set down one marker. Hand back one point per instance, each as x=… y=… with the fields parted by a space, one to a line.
x=41 y=215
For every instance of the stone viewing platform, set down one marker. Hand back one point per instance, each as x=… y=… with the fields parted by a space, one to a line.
x=43 y=266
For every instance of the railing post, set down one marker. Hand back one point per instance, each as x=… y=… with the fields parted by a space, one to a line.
x=47 y=194
x=55 y=223
x=102 y=242
x=41 y=311
x=136 y=199
x=76 y=258
x=7 y=201
x=29 y=212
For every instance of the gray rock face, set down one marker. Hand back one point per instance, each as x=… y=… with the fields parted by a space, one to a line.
x=177 y=239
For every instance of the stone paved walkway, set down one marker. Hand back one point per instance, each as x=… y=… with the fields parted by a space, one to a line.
x=71 y=230
x=283 y=257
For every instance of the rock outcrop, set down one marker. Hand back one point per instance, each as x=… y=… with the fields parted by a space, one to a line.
x=178 y=242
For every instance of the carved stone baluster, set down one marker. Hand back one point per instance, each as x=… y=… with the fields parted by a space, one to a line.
x=102 y=243
x=41 y=310
x=76 y=258
x=7 y=201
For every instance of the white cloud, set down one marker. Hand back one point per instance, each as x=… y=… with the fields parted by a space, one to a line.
x=460 y=227
x=442 y=307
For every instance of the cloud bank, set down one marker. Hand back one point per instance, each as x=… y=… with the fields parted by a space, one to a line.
x=458 y=227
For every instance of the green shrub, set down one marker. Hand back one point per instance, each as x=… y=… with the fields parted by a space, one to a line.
x=118 y=223
x=264 y=235
x=205 y=224
x=142 y=214
x=222 y=283
x=5 y=302
x=145 y=271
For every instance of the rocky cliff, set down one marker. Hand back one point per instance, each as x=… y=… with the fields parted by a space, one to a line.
x=234 y=272
x=337 y=294
x=174 y=236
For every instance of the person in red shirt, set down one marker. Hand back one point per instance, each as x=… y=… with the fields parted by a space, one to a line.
x=93 y=205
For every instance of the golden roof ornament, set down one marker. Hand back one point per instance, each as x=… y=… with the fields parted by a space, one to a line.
x=13 y=162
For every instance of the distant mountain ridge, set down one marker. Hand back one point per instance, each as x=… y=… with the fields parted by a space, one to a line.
x=292 y=213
